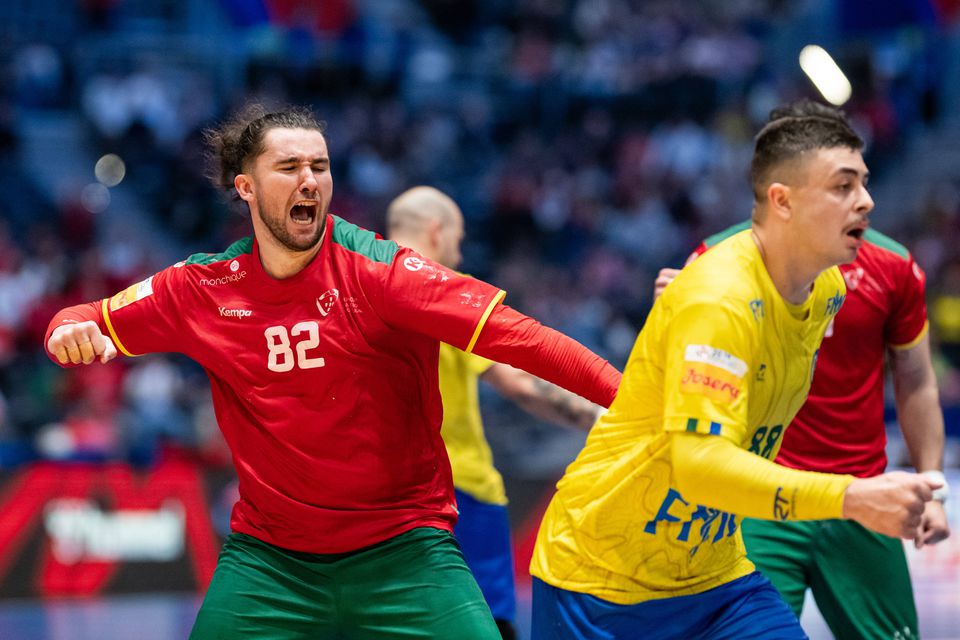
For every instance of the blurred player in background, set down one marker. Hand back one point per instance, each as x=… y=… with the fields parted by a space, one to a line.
x=642 y=539
x=430 y=222
x=321 y=342
x=859 y=578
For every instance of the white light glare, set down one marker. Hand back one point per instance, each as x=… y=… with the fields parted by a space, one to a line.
x=95 y=197
x=825 y=74
x=110 y=170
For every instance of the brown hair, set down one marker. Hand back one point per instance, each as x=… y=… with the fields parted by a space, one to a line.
x=791 y=131
x=239 y=140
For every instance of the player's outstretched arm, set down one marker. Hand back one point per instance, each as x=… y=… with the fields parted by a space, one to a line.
x=518 y=340
x=74 y=336
x=891 y=504
x=540 y=398
x=80 y=343
x=715 y=472
x=712 y=471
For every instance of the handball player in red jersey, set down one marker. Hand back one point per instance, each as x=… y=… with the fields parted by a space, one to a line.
x=321 y=342
x=859 y=578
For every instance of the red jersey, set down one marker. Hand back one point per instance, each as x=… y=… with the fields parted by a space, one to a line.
x=324 y=384
x=840 y=428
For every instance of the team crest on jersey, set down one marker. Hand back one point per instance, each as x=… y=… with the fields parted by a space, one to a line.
x=756 y=308
x=326 y=301
x=131 y=294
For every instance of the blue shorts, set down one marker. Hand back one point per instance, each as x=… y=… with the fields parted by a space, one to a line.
x=483 y=532
x=748 y=607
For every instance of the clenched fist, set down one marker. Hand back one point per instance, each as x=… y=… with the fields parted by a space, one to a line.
x=891 y=504
x=80 y=343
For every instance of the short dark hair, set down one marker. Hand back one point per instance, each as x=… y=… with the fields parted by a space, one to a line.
x=238 y=141
x=791 y=131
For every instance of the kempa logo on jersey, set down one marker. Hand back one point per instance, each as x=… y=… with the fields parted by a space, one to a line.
x=213 y=282
x=235 y=313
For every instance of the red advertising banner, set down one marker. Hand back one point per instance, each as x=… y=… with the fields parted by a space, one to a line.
x=90 y=529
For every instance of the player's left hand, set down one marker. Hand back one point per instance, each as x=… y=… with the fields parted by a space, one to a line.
x=933 y=525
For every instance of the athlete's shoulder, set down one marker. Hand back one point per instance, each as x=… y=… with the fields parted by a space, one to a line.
x=887 y=262
x=831 y=287
x=832 y=276
x=362 y=242
x=719 y=237
x=729 y=270
x=239 y=248
x=227 y=266
x=885 y=247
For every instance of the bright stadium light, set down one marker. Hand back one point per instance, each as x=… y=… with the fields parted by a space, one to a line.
x=110 y=170
x=825 y=74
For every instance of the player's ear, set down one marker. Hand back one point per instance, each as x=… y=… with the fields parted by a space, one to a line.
x=434 y=231
x=778 y=201
x=244 y=187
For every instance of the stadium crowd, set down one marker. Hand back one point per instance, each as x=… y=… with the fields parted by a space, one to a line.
x=588 y=142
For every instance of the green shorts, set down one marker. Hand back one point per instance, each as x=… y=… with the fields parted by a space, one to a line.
x=859 y=578
x=415 y=585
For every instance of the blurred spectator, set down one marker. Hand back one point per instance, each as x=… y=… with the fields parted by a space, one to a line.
x=589 y=142
x=945 y=313
x=153 y=392
x=39 y=76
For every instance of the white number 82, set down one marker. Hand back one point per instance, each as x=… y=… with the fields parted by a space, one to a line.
x=281 y=357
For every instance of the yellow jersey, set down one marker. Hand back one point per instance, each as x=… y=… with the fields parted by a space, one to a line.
x=462 y=429
x=722 y=354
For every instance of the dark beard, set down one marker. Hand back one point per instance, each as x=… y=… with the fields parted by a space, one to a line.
x=278 y=230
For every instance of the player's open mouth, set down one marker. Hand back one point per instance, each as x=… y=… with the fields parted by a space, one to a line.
x=304 y=211
x=856 y=232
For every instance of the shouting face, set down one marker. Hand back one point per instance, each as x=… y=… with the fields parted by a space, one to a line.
x=289 y=188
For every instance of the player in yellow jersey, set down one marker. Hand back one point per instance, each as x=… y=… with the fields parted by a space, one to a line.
x=430 y=222
x=642 y=539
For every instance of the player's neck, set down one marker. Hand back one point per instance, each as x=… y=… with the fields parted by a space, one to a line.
x=792 y=278
x=285 y=263
x=280 y=262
